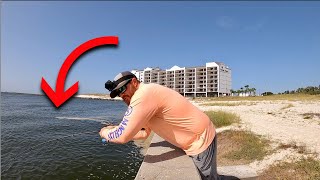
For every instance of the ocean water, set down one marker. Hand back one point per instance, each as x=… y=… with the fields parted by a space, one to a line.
x=39 y=141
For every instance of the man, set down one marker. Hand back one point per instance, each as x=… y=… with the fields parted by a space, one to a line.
x=168 y=114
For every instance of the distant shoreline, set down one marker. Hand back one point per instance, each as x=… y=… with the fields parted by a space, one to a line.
x=83 y=96
x=100 y=97
x=22 y=93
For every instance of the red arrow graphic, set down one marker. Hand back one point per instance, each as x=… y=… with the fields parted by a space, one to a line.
x=60 y=96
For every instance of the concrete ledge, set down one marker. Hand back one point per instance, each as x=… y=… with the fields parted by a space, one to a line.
x=165 y=161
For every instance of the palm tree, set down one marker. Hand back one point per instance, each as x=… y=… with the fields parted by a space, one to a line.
x=249 y=91
x=241 y=91
x=254 y=91
x=232 y=91
x=238 y=91
x=246 y=90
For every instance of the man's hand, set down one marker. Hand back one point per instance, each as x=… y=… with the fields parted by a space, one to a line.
x=105 y=131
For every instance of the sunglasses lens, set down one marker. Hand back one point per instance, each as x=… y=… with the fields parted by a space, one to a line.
x=122 y=89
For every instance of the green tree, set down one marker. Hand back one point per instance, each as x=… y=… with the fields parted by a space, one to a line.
x=232 y=91
x=253 y=90
x=238 y=91
x=267 y=93
x=246 y=89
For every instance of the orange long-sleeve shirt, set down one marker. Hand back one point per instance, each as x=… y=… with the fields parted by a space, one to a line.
x=168 y=114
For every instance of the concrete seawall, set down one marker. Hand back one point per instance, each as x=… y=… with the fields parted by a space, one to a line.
x=164 y=161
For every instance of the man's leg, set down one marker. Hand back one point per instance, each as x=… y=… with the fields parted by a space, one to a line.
x=206 y=162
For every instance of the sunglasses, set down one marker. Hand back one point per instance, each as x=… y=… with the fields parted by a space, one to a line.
x=123 y=88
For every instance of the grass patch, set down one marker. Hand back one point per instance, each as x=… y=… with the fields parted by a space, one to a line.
x=310 y=115
x=307 y=117
x=221 y=104
x=289 y=97
x=293 y=145
x=228 y=104
x=251 y=146
x=305 y=168
x=288 y=106
x=221 y=118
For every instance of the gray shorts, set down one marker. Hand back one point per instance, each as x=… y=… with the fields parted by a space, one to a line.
x=206 y=162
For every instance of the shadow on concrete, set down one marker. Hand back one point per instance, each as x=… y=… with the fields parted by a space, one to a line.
x=163 y=157
x=163 y=144
x=223 y=177
x=176 y=152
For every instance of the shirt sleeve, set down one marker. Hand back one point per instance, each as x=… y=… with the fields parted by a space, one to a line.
x=140 y=111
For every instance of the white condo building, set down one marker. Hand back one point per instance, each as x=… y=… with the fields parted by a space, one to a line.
x=214 y=79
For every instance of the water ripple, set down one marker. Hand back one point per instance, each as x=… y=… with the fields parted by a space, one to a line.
x=41 y=142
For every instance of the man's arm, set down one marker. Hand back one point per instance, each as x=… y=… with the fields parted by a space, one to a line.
x=142 y=134
x=138 y=114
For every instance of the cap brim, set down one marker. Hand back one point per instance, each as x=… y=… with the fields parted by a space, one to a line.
x=115 y=91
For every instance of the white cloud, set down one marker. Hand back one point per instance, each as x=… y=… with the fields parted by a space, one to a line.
x=225 y=22
x=256 y=26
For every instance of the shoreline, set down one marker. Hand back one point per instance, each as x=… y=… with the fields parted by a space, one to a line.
x=98 y=97
x=84 y=96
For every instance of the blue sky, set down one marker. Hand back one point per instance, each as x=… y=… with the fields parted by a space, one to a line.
x=272 y=46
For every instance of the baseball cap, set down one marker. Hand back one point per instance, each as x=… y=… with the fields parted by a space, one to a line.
x=120 y=80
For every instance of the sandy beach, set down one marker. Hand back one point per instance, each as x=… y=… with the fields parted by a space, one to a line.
x=280 y=121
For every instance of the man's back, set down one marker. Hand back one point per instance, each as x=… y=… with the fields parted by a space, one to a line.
x=173 y=117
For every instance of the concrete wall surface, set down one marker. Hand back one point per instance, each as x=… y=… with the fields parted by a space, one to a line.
x=167 y=162
x=163 y=161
